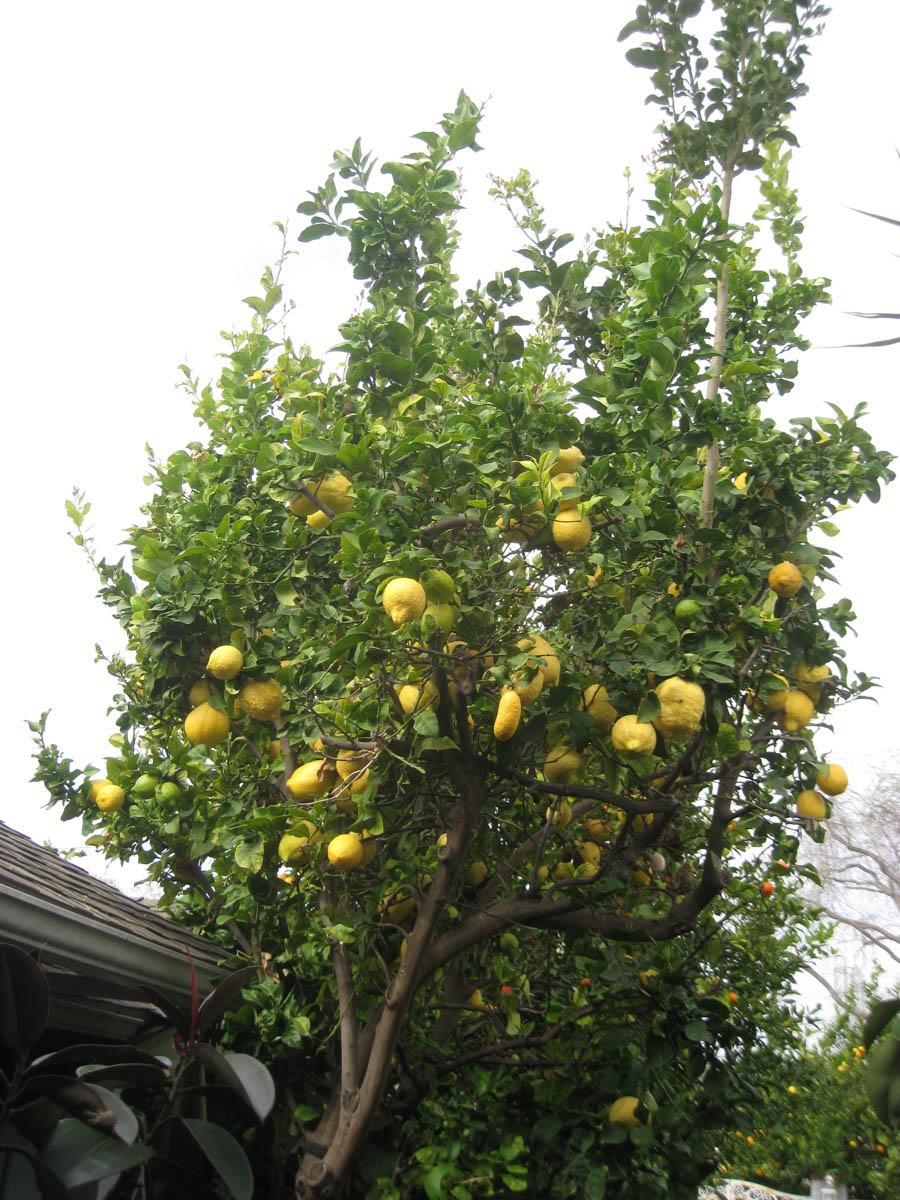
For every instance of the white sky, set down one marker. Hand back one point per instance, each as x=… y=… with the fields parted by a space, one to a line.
x=147 y=149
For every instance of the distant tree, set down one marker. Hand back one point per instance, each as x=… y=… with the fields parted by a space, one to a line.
x=813 y=1117
x=860 y=875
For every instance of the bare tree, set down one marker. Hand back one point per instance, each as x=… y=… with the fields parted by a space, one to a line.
x=859 y=865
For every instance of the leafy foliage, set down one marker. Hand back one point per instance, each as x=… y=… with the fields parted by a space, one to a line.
x=786 y=1136
x=426 y=1002
x=94 y=1121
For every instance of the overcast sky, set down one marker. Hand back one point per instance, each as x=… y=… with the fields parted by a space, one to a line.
x=149 y=148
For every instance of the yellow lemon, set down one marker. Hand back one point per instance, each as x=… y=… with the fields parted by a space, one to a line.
x=595 y=701
x=646 y=976
x=399 y=905
x=833 y=780
x=404 y=600
x=318 y=520
x=369 y=846
x=740 y=482
x=785 y=580
x=569 y=458
x=542 y=649
x=306 y=782
x=597 y=830
x=633 y=738
x=528 y=686
x=207 y=726
x=261 y=699
x=570 y=530
x=811 y=804
x=345 y=851
x=797 y=712
x=274 y=748
x=509 y=713
x=561 y=481
x=110 y=798
x=623 y=1110
x=809 y=680
x=225 y=662
x=589 y=852
x=562 y=817
x=333 y=492
x=563 y=765
x=681 y=707
x=476 y=1000
x=413 y=697
x=476 y=873
x=200 y=691
x=96 y=787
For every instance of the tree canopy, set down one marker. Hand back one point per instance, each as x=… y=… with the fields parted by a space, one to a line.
x=472 y=677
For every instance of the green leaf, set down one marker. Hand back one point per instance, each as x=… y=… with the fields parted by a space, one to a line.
x=225 y=1155
x=434 y=1180
x=314 y=445
x=881 y=1013
x=697 y=1031
x=649 y=708
x=78 y=1154
x=312 y=233
x=439 y=743
x=426 y=723
x=245 y=1075
x=463 y=134
x=249 y=856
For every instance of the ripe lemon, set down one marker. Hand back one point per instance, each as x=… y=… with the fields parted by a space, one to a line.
x=569 y=458
x=776 y=696
x=261 y=699
x=640 y=874
x=623 y=1110
x=740 y=481
x=562 y=817
x=345 y=851
x=404 y=600
x=597 y=830
x=564 y=870
x=509 y=713
x=369 y=846
x=318 y=520
x=225 y=662
x=681 y=707
x=200 y=691
x=563 y=765
x=207 y=726
x=561 y=481
x=833 y=780
x=549 y=668
x=570 y=530
x=95 y=788
x=785 y=580
x=527 y=686
x=350 y=762
x=476 y=1000
x=809 y=679
x=274 y=748
x=306 y=782
x=414 y=697
x=333 y=492
x=633 y=738
x=595 y=700
x=811 y=804
x=476 y=873
x=110 y=798
x=589 y=852
x=797 y=712
x=399 y=905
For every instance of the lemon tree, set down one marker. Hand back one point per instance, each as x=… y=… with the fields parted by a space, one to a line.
x=464 y=668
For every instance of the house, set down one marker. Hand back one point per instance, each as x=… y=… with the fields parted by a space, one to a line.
x=98 y=947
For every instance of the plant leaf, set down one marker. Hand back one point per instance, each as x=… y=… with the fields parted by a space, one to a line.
x=226 y=995
x=225 y=1155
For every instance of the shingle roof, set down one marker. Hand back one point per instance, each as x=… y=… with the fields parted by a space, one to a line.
x=97 y=945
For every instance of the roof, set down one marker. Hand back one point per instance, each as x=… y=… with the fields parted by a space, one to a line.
x=97 y=945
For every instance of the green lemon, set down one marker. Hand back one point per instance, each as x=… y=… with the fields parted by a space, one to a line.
x=168 y=792
x=145 y=786
x=686 y=610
